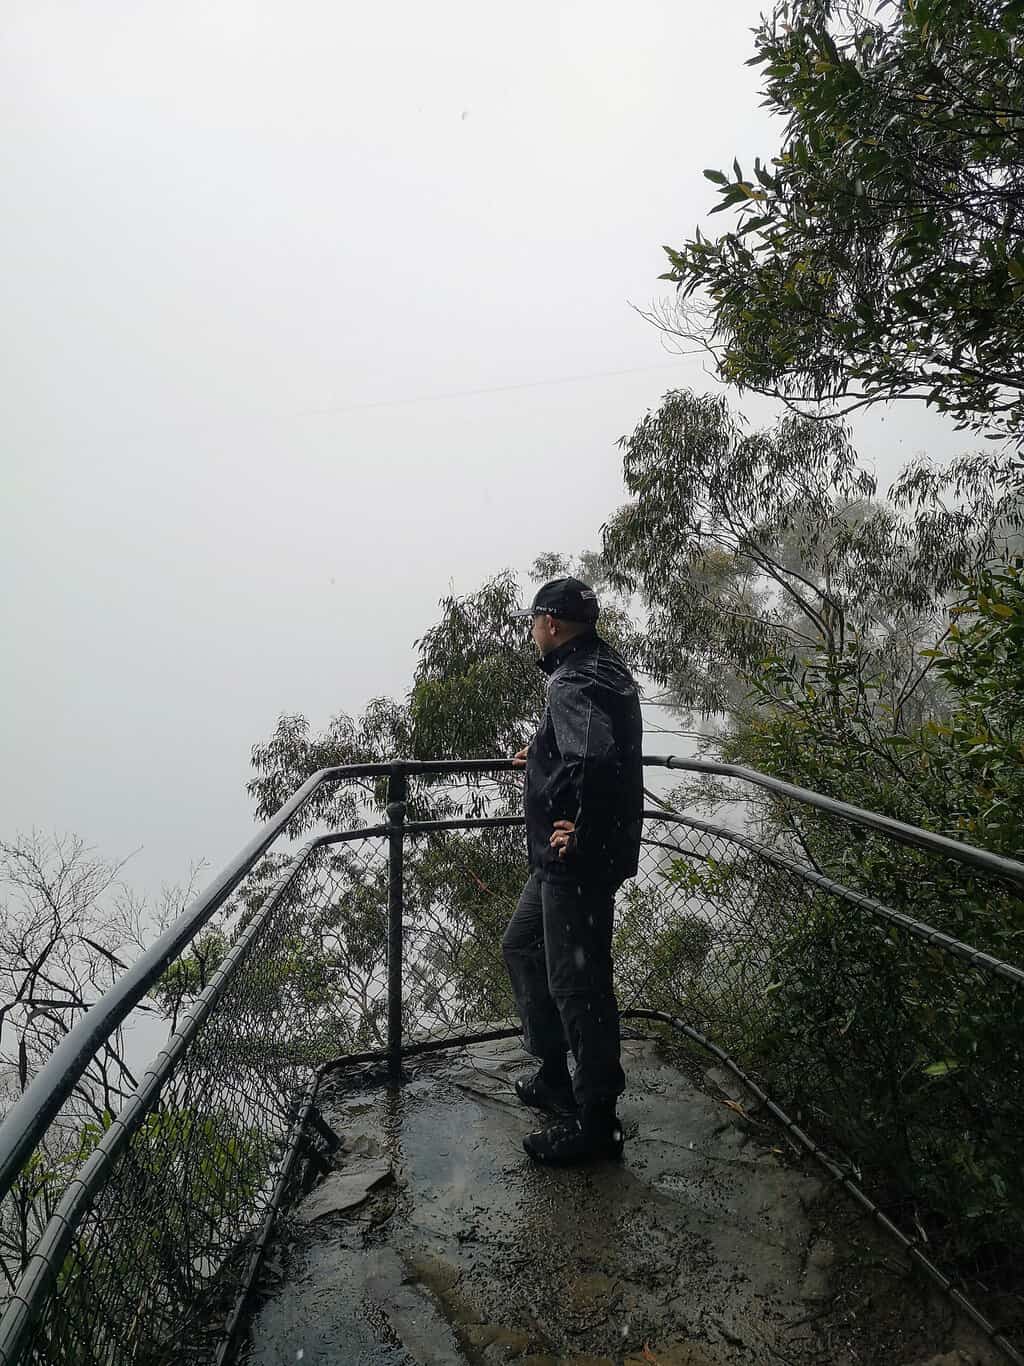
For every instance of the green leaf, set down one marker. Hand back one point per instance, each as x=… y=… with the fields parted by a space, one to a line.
x=941 y=1069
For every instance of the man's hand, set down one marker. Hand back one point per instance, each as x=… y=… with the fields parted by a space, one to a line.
x=564 y=838
x=519 y=760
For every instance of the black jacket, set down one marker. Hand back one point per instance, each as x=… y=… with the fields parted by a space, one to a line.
x=584 y=765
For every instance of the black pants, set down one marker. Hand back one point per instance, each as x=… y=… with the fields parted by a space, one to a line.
x=558 y=952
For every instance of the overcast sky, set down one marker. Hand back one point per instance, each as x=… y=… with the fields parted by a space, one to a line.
x=311 y=314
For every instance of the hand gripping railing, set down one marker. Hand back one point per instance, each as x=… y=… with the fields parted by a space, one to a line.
x=28 y=1121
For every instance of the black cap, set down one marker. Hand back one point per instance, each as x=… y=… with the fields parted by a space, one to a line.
x=569 y=599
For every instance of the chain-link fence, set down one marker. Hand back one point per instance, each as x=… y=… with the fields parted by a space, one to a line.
x=155 y=1211
x=896 y=1045
x=109 y=1078
x=899 y=1051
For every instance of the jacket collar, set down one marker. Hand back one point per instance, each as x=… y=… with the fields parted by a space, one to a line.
x=550 y=662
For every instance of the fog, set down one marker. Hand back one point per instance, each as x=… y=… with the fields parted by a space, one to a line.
x=313 y=314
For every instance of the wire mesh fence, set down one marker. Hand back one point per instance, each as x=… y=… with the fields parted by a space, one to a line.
x=148 y=1267
x=343 y=890
x=146 y=1270
x=898 y=1048
x=466 y=884
x=108 y=1080
x=140 y=1270
x=898 y=1053
x=917 y=1051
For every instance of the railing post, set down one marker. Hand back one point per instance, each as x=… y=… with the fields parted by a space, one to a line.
x=396 y=901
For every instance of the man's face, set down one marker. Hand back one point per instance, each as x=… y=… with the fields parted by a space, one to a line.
x=546 y=631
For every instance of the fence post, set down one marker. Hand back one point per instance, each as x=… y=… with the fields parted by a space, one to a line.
x=396 y=842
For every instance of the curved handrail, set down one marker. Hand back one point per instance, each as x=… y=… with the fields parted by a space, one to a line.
x=27 y=1120
x=1008 y=868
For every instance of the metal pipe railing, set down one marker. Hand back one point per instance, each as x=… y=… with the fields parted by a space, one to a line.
x=1009 y=869
x=55 y=1082
x=58 y=1236
x=27 y=1120
x=396 y=919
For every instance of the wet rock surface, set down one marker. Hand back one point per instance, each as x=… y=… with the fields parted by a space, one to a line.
x=343 y=1190
x=438 y=1241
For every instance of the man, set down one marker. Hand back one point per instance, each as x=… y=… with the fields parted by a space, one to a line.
x=583 y=801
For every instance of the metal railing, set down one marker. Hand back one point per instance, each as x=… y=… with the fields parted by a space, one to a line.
x=854 y=969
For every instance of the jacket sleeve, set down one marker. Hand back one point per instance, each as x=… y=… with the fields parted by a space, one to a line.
x=586 y=742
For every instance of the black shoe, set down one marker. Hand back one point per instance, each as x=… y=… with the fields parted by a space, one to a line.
x=538 y=1093
x=568 y=1142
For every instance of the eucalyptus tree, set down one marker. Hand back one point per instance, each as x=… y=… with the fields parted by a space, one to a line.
x=749 y=544
x=779 y=583
x=880 y=253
